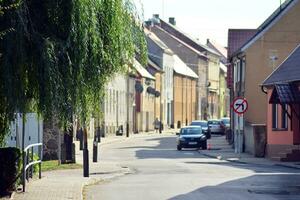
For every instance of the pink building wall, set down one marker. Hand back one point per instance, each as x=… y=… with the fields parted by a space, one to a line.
x=280 y=137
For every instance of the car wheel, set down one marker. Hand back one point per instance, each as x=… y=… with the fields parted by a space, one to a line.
x=179 y=148
x=204 y=145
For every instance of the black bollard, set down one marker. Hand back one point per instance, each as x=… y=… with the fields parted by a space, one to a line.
x=127 y=129
x=98 y=134
x=160 y=127
x=85 y=155
x=80 y=139
x=85 y=163
x=95 y=151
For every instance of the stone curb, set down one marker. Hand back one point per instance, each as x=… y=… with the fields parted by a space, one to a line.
x=243 y=162
x=94 y=181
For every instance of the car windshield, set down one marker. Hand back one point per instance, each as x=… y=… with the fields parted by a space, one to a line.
x=202 y=124
x=226 y=121
x=191 y=131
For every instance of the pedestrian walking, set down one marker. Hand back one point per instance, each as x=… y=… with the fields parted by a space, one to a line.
x=156 y=125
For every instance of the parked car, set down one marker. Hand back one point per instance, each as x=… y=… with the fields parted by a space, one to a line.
x=226 y=122
x=216 y=126
x=204 y=126
x=191 y=137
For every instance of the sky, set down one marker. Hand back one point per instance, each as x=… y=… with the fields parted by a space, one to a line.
x=211 y=19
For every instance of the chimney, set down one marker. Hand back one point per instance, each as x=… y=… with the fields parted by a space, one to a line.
x=172 y=21
x=155 y=19
x=156 y=16
x=148 y=24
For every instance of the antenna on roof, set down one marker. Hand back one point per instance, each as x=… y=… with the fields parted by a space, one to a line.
x=280 y=4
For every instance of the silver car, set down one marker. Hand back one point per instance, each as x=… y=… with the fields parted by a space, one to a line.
x=226 y=122
x=204 y=125
x=216 y=126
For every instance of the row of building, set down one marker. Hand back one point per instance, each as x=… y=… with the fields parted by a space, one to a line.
x=183 y=81
x=265 y=69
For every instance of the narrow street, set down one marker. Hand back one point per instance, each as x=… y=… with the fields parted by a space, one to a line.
x=159 y=171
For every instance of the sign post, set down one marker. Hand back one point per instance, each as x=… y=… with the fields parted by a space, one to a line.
x=239 y=106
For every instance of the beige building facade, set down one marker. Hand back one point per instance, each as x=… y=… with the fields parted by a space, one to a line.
x=257 y=59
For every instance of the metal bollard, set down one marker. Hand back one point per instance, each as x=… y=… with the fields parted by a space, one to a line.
x=85 y=162
x=127 y=129
x=95 y=151
x=85 y=155
x=98 y=133
x=80 y=139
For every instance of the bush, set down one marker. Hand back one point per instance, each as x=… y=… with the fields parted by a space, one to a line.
x=10 y=168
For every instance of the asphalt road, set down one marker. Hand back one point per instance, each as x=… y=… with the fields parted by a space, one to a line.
x=159 y=171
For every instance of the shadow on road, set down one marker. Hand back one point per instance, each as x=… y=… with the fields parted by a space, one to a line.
x=261 y=187
x=166 y=149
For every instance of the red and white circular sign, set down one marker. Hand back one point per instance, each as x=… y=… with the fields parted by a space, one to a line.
x=240 y=105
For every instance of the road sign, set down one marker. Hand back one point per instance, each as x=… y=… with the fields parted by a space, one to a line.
x=240 y=105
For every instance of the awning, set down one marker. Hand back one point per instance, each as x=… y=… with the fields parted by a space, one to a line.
x=285 y=93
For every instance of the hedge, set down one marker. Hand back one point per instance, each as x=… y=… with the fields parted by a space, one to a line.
x=10 y=169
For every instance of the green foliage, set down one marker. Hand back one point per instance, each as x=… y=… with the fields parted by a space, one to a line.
x=3 y=8
x=10 y=167
x=61 y=53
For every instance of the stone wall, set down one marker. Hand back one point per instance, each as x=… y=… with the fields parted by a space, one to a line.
x=51 y=140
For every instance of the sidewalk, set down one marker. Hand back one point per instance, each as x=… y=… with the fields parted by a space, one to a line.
x=69 y=184
x=220 y=149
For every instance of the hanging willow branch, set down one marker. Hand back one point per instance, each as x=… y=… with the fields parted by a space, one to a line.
x=61 y=53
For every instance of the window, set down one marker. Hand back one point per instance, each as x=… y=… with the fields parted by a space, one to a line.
x=238 y=71
x=284 y=119
x=274 y=116
x=243 y=66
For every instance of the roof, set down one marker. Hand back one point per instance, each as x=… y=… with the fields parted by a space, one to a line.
x=285 y=93
x=237 y=38
x=157 y=41
x=155 y=29
x=181 y=68
x=154 y=65
x=287 y=71
x=270 y=21
x=187 y=39
x=142 y=71
x=219 y=48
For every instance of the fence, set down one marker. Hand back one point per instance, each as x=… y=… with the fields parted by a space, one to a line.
x=28 y=162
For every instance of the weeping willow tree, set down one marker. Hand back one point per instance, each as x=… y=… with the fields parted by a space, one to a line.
x=61 y=53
